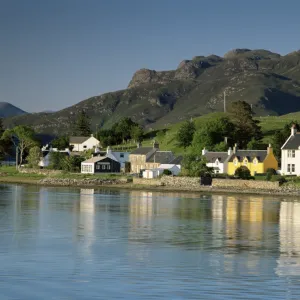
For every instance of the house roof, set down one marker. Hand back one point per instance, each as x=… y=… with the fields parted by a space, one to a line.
x=78 y=139
x=213 y=156
x=292 y=143
x=95 y=159
x=162 y=157
x=142 y=150
x=250 y=154
x=177 y=160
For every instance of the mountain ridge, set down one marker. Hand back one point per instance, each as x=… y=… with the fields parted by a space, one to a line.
x=270 y=82
x=9 y=110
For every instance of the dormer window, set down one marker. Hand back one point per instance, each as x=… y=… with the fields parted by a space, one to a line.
x=217 y=162
x=255 y=161
x=245 y=162
x=235 y=161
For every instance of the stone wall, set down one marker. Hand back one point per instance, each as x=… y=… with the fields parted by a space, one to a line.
x=39 y=171
x=145 y=181
x=82 y=182
x=181 y=182
x=245 y=184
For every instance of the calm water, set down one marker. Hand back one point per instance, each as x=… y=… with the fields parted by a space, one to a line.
x=60 y=243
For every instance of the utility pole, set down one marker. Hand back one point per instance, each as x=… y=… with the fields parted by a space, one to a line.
x=224 y=101
x=17 y=157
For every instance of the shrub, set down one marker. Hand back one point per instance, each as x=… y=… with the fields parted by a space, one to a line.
x=242 y=173
x=167 y=172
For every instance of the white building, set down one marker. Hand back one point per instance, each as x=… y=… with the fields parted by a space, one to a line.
x=82 y=143
x=290 y=154
x=46 y=158
x=154 y=173
x=217 y=160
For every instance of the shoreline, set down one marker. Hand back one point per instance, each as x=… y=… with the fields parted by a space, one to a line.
x=141 y=187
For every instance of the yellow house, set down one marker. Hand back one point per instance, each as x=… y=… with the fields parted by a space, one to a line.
x=257 y=161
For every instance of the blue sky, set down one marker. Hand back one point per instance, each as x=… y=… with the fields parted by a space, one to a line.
x=56 y=53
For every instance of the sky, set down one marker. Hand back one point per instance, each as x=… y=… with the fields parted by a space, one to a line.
x=56 y=53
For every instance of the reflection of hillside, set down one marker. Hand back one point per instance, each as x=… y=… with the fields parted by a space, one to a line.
x=289 y=237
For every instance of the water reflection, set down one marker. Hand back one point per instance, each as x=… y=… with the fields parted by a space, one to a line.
x=105 y=242
x=289 y=237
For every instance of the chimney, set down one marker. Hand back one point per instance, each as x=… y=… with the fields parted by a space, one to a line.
x=235 y=148
x=139 y=145
x=92 y=135
x=229 y=151
x=293 y=129
x=226 y=140
x=204 y=151
x=108 y=150
x=270 y=149
x=155 y=144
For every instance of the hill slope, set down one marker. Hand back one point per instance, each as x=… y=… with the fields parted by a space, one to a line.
x=268 y=81
x=9 y=110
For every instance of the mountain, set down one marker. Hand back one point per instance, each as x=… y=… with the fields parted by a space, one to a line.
x=9 y=110
x=268 y=81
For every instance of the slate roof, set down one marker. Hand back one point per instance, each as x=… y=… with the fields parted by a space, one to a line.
x=96 y=159
x=162 y=157
x=250 y=154
x=293 y=142
x=78 y=139
x=177 y=160
x=212 y=156
x=142 y=150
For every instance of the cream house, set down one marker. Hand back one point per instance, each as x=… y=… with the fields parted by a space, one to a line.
x=82 y=143
x=290 y=154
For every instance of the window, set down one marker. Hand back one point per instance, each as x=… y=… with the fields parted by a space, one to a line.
x=235 y=162
x=84 y=146
x=98 y=167
x=217 y=162
x=86 y=168
x=108 y=167
x=254 y=161
x=122 y=155
x=291 y=168
x=291 y=153
x=245 y=162
x=103 y=167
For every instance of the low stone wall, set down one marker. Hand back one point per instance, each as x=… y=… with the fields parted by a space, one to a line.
x=81 y=182
x=145 y=181
x=245 y=184
x=39 y=171
x=181 y=182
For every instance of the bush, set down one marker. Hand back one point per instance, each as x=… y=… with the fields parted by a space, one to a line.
x=271 y=171
x=167 y=172
x=242 y=173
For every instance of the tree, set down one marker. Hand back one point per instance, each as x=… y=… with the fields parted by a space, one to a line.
x=242 y=173
x=34 y=156
x=185 y=134
x=82 y=125
x=22 y=137
x=137 y=133
x=245 y=127
x=61 y=143
x=253 y=144
x=124 y=127
x=194 y=165
x=56 y=160
x=211 y=135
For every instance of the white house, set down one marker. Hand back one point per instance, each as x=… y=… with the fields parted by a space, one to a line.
x=217 y=160
x=290 y=154
x=82 y=143
x=153 y=173
x=121 y=157
x=46 y=155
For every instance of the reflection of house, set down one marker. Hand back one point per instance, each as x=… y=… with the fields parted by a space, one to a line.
x=100 y=164
x=149 y=158
x=81 y=143
x=216 y=160
x=290 y=154
x=257 y=161
x=289 y=237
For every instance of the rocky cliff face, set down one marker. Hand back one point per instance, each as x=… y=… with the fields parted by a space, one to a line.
x=267 y=80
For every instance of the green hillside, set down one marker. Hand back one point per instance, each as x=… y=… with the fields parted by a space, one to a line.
x=268 y=81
